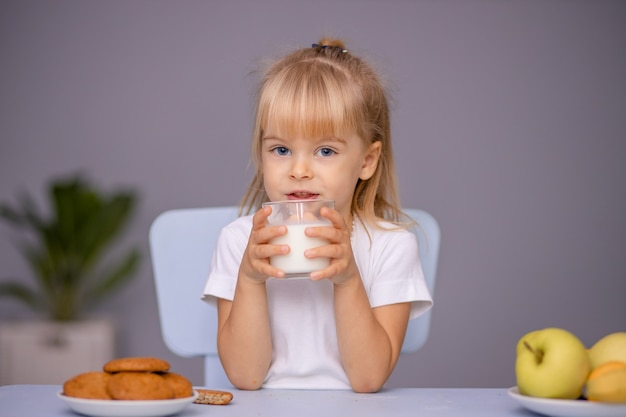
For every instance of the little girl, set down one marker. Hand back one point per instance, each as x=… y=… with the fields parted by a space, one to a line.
x=321 y=132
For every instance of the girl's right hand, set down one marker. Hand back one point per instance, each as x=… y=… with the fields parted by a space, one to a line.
x=255 y=264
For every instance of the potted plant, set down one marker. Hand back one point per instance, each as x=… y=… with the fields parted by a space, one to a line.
x=65 y=251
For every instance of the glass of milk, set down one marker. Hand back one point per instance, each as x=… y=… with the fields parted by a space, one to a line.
x=297 y=215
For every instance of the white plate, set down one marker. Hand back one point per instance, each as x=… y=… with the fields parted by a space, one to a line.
x=117 y=408
x=568 y=408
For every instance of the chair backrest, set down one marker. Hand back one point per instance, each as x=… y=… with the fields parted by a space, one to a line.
x=428 y=238
x=181 y=245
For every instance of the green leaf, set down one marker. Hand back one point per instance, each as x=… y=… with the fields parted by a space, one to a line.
x=21 y=293
x=99 y=231
x=10 y=215
x=112 y=279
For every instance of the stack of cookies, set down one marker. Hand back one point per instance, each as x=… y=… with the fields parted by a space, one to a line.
x=139 y=378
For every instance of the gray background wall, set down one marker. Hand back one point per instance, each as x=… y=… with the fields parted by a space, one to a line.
x=509 y=125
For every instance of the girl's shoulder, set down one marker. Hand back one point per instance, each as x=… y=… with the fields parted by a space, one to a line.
x=382 y=225
x=241 y=221
x=240 y=226
x=381 y=231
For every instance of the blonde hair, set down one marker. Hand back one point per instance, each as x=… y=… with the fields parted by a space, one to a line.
x=326 y=91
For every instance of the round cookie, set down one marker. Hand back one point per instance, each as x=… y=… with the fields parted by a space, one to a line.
x=136 y=364
x=92 y=385
x=181 y=385
x=139 y=386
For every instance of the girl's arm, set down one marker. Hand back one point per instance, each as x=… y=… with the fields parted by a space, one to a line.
x=243 y=337
x=369 y=339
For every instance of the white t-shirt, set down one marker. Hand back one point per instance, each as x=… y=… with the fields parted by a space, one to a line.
x=304 y=340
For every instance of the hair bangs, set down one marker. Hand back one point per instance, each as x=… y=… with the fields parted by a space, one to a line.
x=309 y=103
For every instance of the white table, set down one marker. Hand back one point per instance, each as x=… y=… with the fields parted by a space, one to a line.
x=41 y=400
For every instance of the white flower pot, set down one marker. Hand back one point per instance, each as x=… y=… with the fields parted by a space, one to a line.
x=46 y=352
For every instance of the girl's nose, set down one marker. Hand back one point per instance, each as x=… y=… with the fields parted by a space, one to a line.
x=300 y=169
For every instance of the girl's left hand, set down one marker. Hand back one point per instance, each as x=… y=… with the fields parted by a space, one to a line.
x=342 y=264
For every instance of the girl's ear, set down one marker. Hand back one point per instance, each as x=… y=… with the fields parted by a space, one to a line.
x=370 y=160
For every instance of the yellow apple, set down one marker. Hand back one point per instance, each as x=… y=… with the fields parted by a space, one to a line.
x=611 y=347
x=551 y=363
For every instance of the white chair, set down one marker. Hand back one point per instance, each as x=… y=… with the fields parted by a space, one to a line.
x=181 y=245
x=428 y=238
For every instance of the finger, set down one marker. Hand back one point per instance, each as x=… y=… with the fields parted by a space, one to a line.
x=333 y=216
x=267 y=250
x=325 y=273
x=326 y=232
x=268 y=270
x=268 y=233
x=260 y=217
x=261 y=233
x=326 y=251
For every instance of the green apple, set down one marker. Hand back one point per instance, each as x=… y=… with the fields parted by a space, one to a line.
x=611 y=347
x=551 y=363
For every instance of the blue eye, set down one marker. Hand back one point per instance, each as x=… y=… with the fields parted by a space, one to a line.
x=281 y=151
x=326 y=152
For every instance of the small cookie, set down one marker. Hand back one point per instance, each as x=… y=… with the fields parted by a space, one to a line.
x=139 y=386
x=180 y=385
x=136 y=364
x=207 y=396
x=90 y=385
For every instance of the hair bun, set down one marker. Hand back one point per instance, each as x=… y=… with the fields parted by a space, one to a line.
x=334 y=47
x=333 y=43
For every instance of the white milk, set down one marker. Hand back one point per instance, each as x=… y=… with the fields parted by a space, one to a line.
x=295 y=262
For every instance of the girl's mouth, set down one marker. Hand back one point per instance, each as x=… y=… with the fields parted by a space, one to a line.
x=302 y=195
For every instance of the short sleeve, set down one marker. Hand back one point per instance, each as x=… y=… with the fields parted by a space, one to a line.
x=395 y=272
x=226 y=260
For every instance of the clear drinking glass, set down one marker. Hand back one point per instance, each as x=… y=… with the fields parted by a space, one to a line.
x=297 y=215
